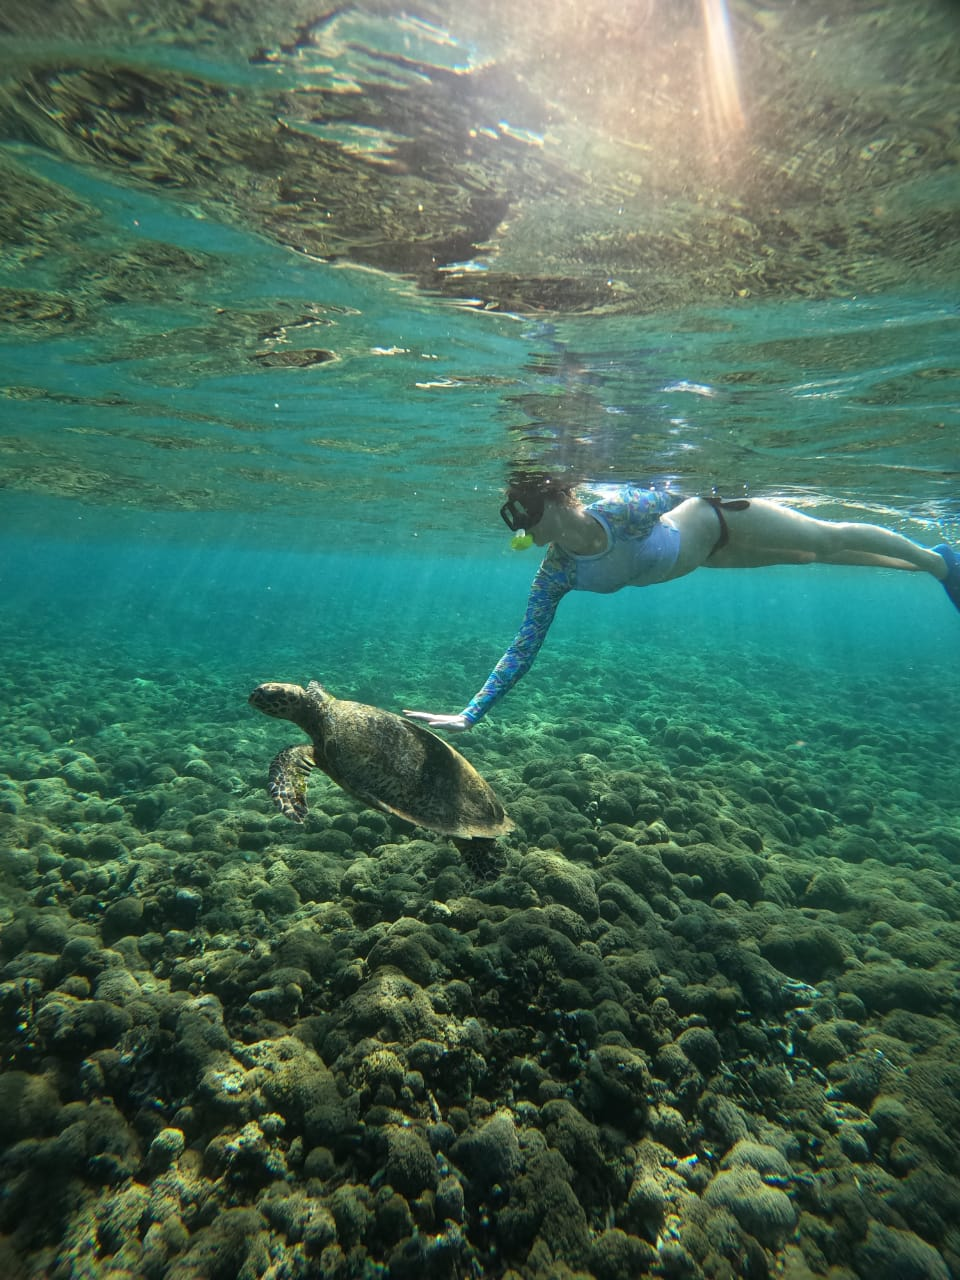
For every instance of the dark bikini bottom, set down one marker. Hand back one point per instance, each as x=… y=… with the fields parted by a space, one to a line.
x=719 y=506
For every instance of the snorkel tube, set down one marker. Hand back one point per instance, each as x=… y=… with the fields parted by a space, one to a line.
x=520 y=541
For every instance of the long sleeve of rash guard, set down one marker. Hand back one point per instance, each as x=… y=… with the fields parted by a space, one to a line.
x=551 y=584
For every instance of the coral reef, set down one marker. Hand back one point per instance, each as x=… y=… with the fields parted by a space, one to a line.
x=699 y=1023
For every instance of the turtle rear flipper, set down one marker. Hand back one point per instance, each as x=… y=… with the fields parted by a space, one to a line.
x=288 y=781
x=482 y=856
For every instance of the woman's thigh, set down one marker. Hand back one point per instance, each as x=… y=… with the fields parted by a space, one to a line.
x=762 y=533
x=767 y=533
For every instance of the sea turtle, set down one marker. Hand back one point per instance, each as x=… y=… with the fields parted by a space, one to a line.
x=381 y=759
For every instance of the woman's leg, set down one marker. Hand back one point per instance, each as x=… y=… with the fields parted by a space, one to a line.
x=766 y=533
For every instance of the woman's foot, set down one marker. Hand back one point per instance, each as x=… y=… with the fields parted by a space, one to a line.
x=951 y=583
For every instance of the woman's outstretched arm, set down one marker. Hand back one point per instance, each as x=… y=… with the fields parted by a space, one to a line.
x=549 y=587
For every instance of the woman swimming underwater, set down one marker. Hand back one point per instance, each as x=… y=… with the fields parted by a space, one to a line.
x=639 y=537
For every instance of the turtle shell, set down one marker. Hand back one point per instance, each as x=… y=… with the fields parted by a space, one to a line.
x=399 y=767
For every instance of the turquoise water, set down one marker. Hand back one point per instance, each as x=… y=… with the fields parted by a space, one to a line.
x=285 y=299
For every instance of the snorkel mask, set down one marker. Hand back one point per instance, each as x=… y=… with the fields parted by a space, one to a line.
x=521 y=511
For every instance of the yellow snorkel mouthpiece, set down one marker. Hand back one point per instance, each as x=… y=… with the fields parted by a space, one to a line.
x=520 y=541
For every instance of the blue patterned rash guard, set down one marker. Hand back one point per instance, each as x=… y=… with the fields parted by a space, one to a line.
x=640 y=550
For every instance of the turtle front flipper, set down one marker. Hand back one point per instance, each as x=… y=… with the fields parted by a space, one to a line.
x=288 y=781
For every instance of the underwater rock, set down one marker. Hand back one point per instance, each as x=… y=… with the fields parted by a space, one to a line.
x=406 y=954
x=184 y=908
x=431 y=1257
x=297 y=1083
x=276 y=900
x=381 y=1074
x=926 y=1196
x=615 y=1255
x=202 y=1038
x=543 y=1205
x=892 y=1254
x=221 y=1248
x=719 y=870
x=639 y=970
x=34 y=966
x=391 y=1006
x=760 y=1156
x=117 y=1230
x=394 y=1224
x=350 y=1205
x=616 y=899
x=96 y=1142
x=449 y=1201
x=46 y=932
x=701 y=1047
x=77 y=1027
x=254 y=1156
x=313 y=878
x=853 y=1144
x=667 y=1126
x=490 y=1153
x=122 y=918
x=616 y=1085
x=640 y=869
x=828 y=889
x=104 y=846
x=890 y=1115
x=825 y=1042
x=166 y=1148
x=726 y=1118
x=807 y=952
x=656 y=1191
x=148 y=809
x=612 y=807
x=883 y=987
x=484 y=1098
x=761 y=1210
x=299 y=1217
x=29 y=1107
x=579 y=1141
x=409 y=1164
x=558 y=880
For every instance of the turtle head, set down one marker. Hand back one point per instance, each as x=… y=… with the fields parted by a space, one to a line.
x=281 y=700
x=291 y=702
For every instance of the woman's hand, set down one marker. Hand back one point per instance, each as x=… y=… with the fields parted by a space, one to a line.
x=452 y=724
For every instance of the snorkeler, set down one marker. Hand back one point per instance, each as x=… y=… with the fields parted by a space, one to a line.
x=639 y=537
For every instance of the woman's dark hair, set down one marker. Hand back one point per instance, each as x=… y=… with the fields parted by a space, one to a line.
x=546 y=487
x=528 y=495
